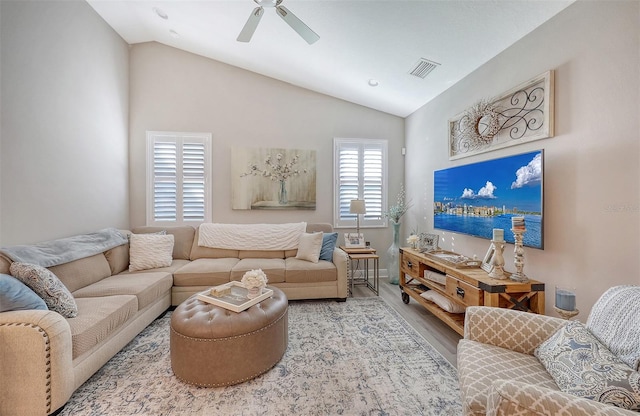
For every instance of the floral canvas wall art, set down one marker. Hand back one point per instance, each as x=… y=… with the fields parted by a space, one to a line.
x=273 y=178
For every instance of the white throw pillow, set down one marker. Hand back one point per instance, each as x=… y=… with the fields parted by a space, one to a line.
x=309 y=247
x=150 y=251
x=436 y=277
x=442 y=301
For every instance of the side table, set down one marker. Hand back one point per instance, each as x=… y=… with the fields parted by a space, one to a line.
x=364 y=254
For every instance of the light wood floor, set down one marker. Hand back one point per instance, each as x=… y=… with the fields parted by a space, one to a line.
x=443 y=338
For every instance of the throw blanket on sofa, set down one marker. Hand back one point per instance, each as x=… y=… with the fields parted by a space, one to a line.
x=251 y=236
x=64 y=250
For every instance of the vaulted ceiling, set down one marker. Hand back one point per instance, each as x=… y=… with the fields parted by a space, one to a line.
x=361 y=41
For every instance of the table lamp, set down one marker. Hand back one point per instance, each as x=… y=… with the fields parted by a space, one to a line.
x=357 y=207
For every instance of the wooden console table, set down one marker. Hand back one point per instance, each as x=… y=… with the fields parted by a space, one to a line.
x=465 y=286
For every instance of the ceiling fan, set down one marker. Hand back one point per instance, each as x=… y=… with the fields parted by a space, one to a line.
x=296 y=24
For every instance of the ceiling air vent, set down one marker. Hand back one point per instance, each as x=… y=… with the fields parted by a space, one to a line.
x=423 y=68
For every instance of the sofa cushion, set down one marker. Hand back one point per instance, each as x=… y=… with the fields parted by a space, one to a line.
x=118 y=258
x=205 y=272
x=183 y=238
x=583 y=366
x=5 y=263
x=147 y=287
x=273 y=268
x=614 y=321
x=475 y=358
x=16 y=296
x=150 y=251
x=200 y=252
x=175 y=265
x=261 y=254
x=329 y=241
x=98 y=318
x=82 y=272
x=302 y=271
x=47 y=286
x=309 y=247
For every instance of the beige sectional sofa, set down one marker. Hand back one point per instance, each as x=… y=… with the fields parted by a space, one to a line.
x=46 y=357
x=196 y=268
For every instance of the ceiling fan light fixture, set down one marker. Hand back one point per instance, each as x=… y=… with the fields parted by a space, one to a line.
x=265 y=3
x=291 y=19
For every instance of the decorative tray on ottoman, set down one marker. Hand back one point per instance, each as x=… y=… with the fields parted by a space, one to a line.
x=232 y=296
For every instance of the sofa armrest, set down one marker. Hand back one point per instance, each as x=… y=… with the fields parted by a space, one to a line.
x=508 y=328
x=341 y=260
x=508 y=398
x=36 y=371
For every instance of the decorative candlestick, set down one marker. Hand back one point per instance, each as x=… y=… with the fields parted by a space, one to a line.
x=518 y=228
x=497 y=261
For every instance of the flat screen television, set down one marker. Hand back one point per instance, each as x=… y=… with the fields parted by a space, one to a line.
x=476 y=198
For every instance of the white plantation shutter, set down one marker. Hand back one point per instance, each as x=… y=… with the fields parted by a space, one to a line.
x=193 y=181
x=178 y=178
x=165 y=160
x=360 y=173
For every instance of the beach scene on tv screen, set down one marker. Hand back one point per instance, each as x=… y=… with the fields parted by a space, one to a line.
x=476 y=198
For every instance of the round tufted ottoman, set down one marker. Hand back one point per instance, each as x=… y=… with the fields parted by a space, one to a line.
x=212 y=346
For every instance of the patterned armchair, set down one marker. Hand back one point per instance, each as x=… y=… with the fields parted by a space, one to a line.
x=499 y=375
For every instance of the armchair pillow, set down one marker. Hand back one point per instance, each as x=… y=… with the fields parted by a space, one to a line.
x=150 y=251
x=46 y=285
x=16 y=296
x=581 y=365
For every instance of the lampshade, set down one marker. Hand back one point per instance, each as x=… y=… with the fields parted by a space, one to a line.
x=357 y=207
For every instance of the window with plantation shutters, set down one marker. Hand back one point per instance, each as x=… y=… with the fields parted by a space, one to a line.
x=178 y=178
x=360 y=172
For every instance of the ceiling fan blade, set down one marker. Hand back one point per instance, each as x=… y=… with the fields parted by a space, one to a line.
x=251 y=25
x=298 y=25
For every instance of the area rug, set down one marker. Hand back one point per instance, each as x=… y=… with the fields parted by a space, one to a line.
x=358 y=357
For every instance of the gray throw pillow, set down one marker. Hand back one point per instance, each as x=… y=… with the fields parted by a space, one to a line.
x=16 y=296
x=46 y=285
x=583 y=366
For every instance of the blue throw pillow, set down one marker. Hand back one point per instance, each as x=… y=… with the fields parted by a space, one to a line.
x=328 y=245
x=16 y=296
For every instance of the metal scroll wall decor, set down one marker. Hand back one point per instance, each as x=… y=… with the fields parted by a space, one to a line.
x=520 y=115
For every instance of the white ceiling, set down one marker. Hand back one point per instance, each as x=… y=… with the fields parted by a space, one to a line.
x=359 y=40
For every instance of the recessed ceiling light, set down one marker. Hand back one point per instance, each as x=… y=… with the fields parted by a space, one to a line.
x=373 y=82
x=161 y=14
x=174 y=34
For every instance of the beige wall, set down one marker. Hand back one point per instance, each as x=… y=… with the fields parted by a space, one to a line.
x=592 y=203
x=173 y=90
x=64 y=91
